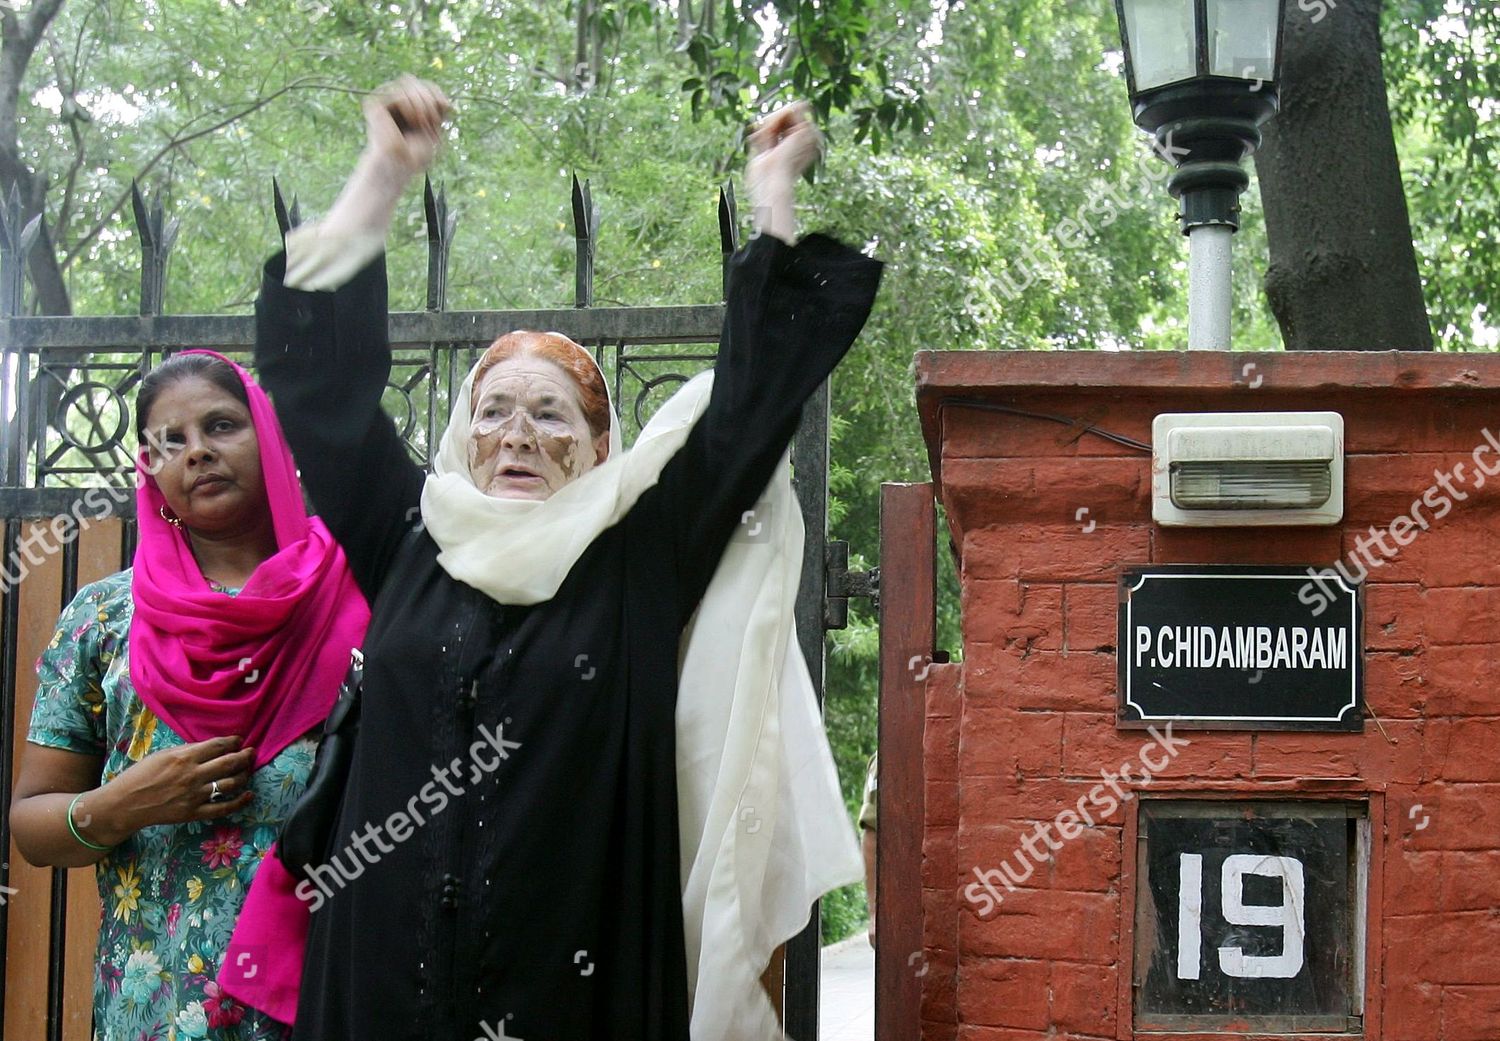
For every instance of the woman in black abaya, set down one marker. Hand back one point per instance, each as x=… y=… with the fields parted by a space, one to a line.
x=591 y=791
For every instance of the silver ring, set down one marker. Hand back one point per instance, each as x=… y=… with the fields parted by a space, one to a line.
x=214 y=795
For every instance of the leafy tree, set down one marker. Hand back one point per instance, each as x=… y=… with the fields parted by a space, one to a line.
x=1444 y=78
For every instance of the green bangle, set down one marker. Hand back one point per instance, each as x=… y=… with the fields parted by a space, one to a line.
x=74 y=828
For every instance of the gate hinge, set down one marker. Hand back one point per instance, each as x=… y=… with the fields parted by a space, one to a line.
x=841 y=584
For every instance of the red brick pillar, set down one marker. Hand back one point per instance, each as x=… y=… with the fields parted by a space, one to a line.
x=1045 y=514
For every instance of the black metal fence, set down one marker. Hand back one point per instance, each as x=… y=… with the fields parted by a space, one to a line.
x=67 y=386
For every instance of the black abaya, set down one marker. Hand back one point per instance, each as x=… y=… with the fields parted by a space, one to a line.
x=536 y=883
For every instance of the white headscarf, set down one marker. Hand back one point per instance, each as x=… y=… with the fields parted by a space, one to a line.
x=763 y=831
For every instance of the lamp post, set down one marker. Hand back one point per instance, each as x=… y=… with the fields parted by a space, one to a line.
x=1203 y=76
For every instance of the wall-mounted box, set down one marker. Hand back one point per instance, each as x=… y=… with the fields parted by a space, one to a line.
x=1247 y=469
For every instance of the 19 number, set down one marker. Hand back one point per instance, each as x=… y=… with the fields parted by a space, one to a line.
x=1233 y=961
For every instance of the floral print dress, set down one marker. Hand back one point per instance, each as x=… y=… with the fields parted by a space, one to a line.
x=171 y=893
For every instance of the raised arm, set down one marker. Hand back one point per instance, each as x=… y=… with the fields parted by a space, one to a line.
x=321 y=340
x=792 y=313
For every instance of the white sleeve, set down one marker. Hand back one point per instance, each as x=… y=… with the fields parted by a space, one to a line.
x=323 y=255
x=320 y=259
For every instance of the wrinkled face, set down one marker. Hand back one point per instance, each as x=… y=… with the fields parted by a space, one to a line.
x=206 y=457
x=528 y=436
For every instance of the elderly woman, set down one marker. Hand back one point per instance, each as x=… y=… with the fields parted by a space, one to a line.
x=590 y=792
x=170 y=734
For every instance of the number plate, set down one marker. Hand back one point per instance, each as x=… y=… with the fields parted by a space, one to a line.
x=1248 y=916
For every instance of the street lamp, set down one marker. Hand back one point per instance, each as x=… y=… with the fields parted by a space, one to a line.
x=1203 y=76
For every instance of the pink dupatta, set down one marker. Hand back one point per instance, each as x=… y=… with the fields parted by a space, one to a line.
x=265 y=665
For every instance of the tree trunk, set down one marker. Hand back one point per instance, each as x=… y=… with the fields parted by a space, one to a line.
x=20 y=33
x=1343 y=272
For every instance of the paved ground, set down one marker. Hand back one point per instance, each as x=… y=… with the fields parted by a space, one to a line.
x=848 y=998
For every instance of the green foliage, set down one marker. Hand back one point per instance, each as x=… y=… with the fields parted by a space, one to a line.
x=1443 y=73
x=866 y=58
x=844 y=913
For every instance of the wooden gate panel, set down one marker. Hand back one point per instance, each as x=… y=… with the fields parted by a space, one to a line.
x=29 y=940
x=908 y=636
x=99 y=555
x=29 y=909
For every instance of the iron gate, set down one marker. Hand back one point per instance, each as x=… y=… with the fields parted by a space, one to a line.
x=67 y=449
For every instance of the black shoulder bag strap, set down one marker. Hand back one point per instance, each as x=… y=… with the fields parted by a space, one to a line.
x=307 y=832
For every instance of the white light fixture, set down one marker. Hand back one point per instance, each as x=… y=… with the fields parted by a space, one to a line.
x=1170 y=42
x=1247 y=469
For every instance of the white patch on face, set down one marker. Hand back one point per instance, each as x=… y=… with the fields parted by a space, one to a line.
x=528 y=436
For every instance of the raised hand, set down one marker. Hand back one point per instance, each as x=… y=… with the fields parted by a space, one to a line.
x=404 y=131
x=783 y=146
x=404 y=124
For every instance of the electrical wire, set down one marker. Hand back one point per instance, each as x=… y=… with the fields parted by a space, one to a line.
x=1087 y=428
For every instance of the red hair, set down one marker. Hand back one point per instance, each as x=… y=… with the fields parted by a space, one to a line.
x=560 y=351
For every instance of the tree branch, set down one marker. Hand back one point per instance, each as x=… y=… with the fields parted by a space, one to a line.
x=66 y=89
x=177 y=141
x=547 y=145
x=41 y=15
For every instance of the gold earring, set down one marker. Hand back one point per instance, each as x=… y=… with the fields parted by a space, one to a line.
x=170 y=518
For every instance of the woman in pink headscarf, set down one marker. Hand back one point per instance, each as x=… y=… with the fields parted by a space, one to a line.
x=179 y=702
